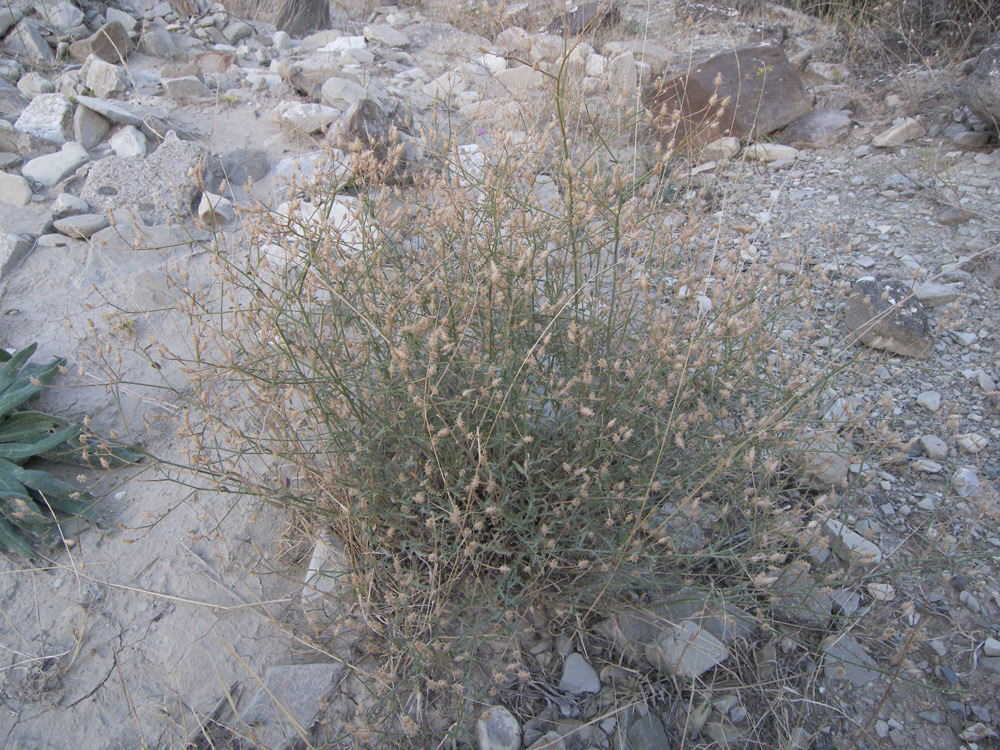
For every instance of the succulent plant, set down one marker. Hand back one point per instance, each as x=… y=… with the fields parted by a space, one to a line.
x=31 y=500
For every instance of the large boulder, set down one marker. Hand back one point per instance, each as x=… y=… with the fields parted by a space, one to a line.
x=745 y=92
x=293 y=16
x=982 y=89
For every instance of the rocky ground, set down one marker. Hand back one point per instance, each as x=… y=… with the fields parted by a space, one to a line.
x=125 y=152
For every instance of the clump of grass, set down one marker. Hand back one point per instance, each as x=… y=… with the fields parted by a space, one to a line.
x=502 y=391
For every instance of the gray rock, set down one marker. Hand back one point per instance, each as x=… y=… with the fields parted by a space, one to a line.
x=105 y=79
x=647 y=733
x=549 y=741
x=26 y=39
x=823 y=457
x=885 y=314
x=47 y=116
x=622 y=75
x=128 y=141
x=89 y=128
x=67 y=204
x=161 y=184
x=186 y=89
x=850 y=545
x=127 y=20
x=845 y=602
x=306 y=117
x=9 y=17
x=763 y=90
x=845 y=659
x=244 y=164
x=965 y=481
x=294 y=696
x=156 y=41
x=770 y=152
x=950 y=216
x=115 y=113
x=81 y=226
x=49 y=169
x=341 y=93
x=8 y=137
x=497 y=729
x=982 y=88
x=14 y=190
x=12 y=101
x=578 y=676
x=820 y=128
x=934 y=447
x=215 y=209
x=930 y=400
x=796 y=598
x=236 y=31
x=686 y=650
x=386 y=35
x=13 y=249
x=111 y=43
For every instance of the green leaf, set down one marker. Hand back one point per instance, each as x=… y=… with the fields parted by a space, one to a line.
x=117 y=455
x=9 y=485
x=23 y=451
x=11 y=541
x=13 y=365
x=26 y=426
x=25 y=514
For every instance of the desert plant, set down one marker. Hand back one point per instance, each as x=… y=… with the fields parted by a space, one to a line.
x=31 y=499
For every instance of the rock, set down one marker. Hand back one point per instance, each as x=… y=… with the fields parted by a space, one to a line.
x=112 y=112
x=991 y=647
x=156 y=41
x=81 y=226
x=26 y=39
x=13 y=249
x=584 y=18
x=296 y=17
x=760 y=92
x=305 y=117
x=12 y=102
x=364 y=124
x=9 y=17
x=981 y=91
x=622 y=75
x=549 y=741
x=934 y=447
x=32 y=84
x=850 y=545
x=647 y=733
x=796 y=598
x=105 y=79
x=578 y=676
x=950 y=216
x=236 y=31
x=63 y=18
x=768 y=152
x=845 y=602
x=497 y=729
x=845 y=659
x=14 y=190
x=341 y=93
x=67 y=204
x=724 y=148
x=821 y=72
x=930 y=400
x=186 y=89
x=936 y=295
x=110 y=43
x=214 y=209
x=89 y=128
x=881 y=592
x=127 y=20
x=519 y=79
x=901 y=132
x=820 y=128
x=244 y=164
x=686 y=650
x=386 y=35
x=884 y=314
x=972 y=442
x=128 y=141
x=289 y=702
x=47 y=116
x=823 y=457
x=49 y=169
x=164 y=183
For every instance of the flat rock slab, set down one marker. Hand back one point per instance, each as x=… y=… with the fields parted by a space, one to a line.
x=820 y=128
x=47 y=116
x=162 y=184
x=886 y=314
x=113 y=112
x=797 y=598
x=687 y=651
x=758 y=93
x=111 y=43
x=287 y=706
x=847 y=660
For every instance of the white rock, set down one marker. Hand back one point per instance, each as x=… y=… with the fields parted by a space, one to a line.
x=927 y=466
x=596 y=65
x=972 y=442
x=104 y=79
x=47 y=116
x=724 y=148
x=856 y=547
x=14 y=190
x=991 y=647
x=768 y=152
x=386 y=35
x=965 y=481
x=344 y=43
x=51 y=168
x=899 y=133
x=930 y=400
x=215 y=209
x=32 y=84
x=306 y=117
x=128 y=141
x=341 y=93
x=881 y=592
x=497 y=729
x=492 y=63
x=520 y=78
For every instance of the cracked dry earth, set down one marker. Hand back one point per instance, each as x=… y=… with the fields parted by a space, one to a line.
x=190 y=613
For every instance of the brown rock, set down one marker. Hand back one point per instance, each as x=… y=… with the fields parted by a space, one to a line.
x=745 y=92
x=110 y=43
x=585 y=18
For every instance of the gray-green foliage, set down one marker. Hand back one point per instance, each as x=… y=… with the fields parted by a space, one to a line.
x=31 y=499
